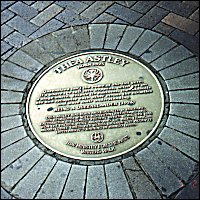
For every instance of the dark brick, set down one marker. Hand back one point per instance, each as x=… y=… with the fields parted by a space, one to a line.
x=195 y=16
x=163 y=28
x=124 y=13
x=143 y=6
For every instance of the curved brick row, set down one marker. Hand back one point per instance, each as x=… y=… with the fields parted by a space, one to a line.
x=28 y=173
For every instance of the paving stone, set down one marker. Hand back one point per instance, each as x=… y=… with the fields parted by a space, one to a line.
x=12 y=70
x=172 y=57
x=185 y=110
x=12 y=84
x=23 y=10
x=144 y=42
x=163 y=28
x=5 y=30
x=116 y=181
x=104 y=18
x=41 y=5
x=14 y=172
x=119 y=21
x=97 y=35
x=96 y=185
x=81 y=35
x=188 y=40
x=11 y=97
x=26 y=61
x=88 y=2
x=46 y=15
x=187 y=126
x=37 y=52
x=52 y=25
x=126 y=3
x=185 y=96
x=130 y=35
x=9 y=109
x=8 y=53
x=17 y=40
x=159 y=48
x=10 y=122
x=124 y=13
x=193 y=3
x=142 y=186
x=22 y=25
x=143 y=6
x=5 y=195
x=181 y=68
x=74 y=188
x=28 y=2
x=184 y=82
x=166 y=181
x=16 y=150
x=5 y=4
x=75 y=6
x=178 y=163
x=51 y=46
x=130 y=164
x=5 y=47
x=152 y=18
x=65 y=39
x=181 y=23
x=186 y=144
x=33 y=180
x=71 y=18
x=113 y=36
x=6 y=15
x=53 y=186
x=195 y=16
x=96 y=9
x=11 y=136
x=177 y=7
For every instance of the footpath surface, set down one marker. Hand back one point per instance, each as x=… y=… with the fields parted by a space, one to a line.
x=165 y=34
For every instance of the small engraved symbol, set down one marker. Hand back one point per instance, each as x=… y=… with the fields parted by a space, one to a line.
x=97 y=137
x=92 y=75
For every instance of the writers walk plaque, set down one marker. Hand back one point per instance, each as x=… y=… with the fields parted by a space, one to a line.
x=95 y=105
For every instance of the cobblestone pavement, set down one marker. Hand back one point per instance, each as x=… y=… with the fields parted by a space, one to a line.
x=164 y=34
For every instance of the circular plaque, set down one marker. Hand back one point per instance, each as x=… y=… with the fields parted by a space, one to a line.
x=94 y=106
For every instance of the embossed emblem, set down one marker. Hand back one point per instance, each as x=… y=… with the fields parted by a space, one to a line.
x=97 y=137
x=92 y=75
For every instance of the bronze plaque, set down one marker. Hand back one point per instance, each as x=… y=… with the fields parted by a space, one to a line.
x=94 y=106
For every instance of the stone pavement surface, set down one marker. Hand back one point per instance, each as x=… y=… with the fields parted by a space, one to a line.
x=164 y=34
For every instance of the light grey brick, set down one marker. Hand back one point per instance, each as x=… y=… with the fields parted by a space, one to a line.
x=130 y=164
x=186 y=144
x=17 y=40
x=5 y=4
x=175 y=55
x=97 y=35
x=65 y=39
x=159 y=48
x=95 y=9
x=33 y=180
x=10 y=122
x=104 y=17
x=9 y=109
x=11 y=136
x=5 y=30
x=37 y=52
x=14 y=172
x=158 y=171
x=81 y=35
x=11 y=97
x=53 y=186
x=41 y=5
x=5 y=47
x=181 y=68
x=22 y=25
x=4 y=194
x=74 y=188
x=113 y=35
x=185 y=110
x=6 y=15
x=16 y=150
x=126 y=3
x=8 y=53
x=116 y=181
x=25 y=61
x=185 y=96
x=29 y=2
x=184 y=82
x=129 y=37
x=15 y=71
x=187 y=126
x=96 y=185
x=177 y=162
x=23 y=10
x=52 y=25
x=144 y=42
x=119 y=21
x=46 y=15
x=12 y=84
